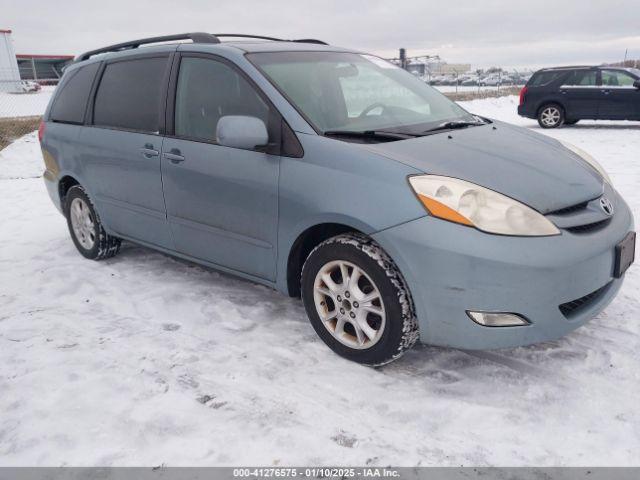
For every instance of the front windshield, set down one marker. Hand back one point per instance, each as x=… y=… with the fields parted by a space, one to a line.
x=338 y=91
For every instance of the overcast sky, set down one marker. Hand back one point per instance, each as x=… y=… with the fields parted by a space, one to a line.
x=483 y=33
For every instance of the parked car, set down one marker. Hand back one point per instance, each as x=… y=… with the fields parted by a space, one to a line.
x=336 y=176
x=28 y=86
x=437 y=80
x=566 y=95
x=491 y=81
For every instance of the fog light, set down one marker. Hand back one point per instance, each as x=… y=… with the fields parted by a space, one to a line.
x=497 y=319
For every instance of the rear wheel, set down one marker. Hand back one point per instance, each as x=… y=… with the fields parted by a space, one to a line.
x=357 y=300
x=551 y=116
x=86 y=230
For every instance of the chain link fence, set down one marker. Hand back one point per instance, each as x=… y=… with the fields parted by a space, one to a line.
x=471 y=94
x=22 y=104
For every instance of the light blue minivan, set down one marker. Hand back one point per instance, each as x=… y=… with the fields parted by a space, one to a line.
x=336 y=176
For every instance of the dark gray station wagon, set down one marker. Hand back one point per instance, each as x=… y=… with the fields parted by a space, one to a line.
x=336 y=176
x=565 y=95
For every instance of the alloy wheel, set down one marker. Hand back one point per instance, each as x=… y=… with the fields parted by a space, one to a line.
x=550 y=116
x=349 y=304
x=82 y=223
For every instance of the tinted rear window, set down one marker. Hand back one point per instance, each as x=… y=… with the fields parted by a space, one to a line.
x=129 y=94
x=544 y=78
x=71 y=98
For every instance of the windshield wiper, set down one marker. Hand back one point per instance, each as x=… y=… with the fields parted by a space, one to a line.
x=380 y=134
x=455 y=125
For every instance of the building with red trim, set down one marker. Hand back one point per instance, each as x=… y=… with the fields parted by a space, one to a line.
x=45 y=69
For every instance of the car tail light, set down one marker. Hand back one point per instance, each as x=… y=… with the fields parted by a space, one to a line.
x=523 y=92
x=41 y=131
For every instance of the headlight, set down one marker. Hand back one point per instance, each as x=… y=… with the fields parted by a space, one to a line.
x=470 y=204
x=589 y=159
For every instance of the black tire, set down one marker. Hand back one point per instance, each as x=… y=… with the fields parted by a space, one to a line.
x=571 y=122
x=104 y=245
x=551 y=115
x=400 y=331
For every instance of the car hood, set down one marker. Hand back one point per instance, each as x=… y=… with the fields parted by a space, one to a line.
x=532 y=168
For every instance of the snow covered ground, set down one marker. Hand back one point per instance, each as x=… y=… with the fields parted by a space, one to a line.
x=145 y=360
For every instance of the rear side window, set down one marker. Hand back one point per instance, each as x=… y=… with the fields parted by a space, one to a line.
x=544 y=78
x=583 y=78
x=71 y=99
x=129 y=94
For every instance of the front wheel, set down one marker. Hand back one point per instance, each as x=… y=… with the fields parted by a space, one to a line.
x=358 y=301
x=551 y=116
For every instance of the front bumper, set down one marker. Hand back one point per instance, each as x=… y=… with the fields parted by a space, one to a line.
x=452 y=268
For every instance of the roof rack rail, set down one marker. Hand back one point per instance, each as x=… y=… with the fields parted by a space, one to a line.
x=570 y=67
x=310 y=40
x=195 y=37
x=261 y=37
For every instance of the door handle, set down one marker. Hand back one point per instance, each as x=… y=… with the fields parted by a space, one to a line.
x=606 y=92
x=174 y=156
x=148 y=151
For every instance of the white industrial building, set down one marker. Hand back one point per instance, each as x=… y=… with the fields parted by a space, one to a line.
x=9 y=72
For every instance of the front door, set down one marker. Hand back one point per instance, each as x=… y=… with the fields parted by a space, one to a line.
x=619 y=98
x=581 y=94
x=120 y=149
x=222 y=202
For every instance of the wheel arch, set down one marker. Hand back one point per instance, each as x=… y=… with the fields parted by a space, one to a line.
x=64 y=184
x=304 y=243
x=71 y=179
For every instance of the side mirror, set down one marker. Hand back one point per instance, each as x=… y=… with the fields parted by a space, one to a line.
x=637 y=84
x=241 y=131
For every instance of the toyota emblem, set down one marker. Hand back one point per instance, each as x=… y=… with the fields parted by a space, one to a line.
x=606 y=205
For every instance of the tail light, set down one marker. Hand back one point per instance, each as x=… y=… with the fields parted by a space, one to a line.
x=41 y=131
x=523 y=92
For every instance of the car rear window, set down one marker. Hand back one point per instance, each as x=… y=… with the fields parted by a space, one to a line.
x=129 y=94
x=544 y=78
x=72 y=95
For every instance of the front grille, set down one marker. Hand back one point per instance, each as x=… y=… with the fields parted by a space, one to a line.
x=571 y=209
x=589 y=227
x=574 y=307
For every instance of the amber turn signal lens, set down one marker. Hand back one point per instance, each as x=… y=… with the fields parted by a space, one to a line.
x=440 y=210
